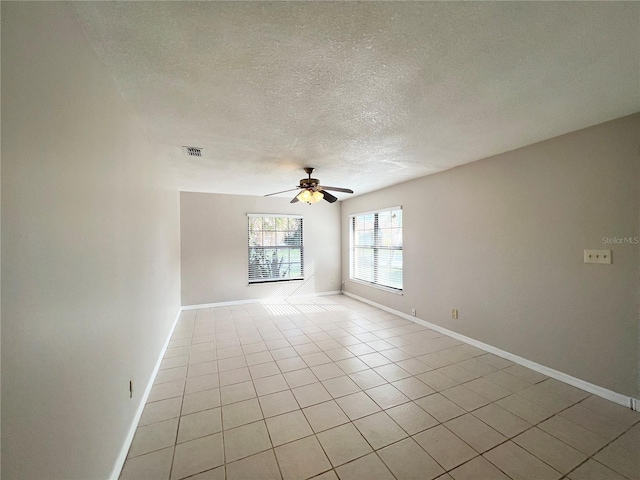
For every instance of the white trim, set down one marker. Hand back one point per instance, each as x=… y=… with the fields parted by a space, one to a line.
x=268 y=300
x=352 y=247
x=380 y=210
x=273 y=215
x=117 y=468
x=275 y=280
x=605 y=393
x=378 y=286
x=250 y=248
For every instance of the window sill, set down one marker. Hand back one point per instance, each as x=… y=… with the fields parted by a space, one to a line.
x=379 y=287
x=284 y=280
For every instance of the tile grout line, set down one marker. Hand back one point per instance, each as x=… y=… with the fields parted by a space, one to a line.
x=341 y=331
x=173 y=457
x=592 y=456
x=544 y=420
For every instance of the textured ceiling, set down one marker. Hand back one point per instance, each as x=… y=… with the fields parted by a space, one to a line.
x=369 y=93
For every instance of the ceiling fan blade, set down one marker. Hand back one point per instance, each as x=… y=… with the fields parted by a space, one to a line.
x=328 y=197
x=284 y=191
x=337 y=189
x=310 y=188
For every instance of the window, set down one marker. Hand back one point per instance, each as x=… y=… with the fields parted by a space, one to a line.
x=376 y=248
x=275 y=248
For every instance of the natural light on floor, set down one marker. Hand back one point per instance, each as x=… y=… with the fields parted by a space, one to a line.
x=330 y=387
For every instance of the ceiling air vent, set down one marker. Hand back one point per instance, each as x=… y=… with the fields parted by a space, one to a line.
x=192 y=151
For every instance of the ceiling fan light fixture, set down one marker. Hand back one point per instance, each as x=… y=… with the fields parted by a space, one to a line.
x=311 y=191
x=310 y=196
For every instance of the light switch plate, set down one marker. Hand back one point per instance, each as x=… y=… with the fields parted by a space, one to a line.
x=597 y=256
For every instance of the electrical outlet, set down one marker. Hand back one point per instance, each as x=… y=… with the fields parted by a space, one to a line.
x=413 y=312
x=454 y=313
x=332 y=281
x=597 y=256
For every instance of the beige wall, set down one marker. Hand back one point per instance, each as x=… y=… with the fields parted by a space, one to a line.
x=502 y=240
x=90 y=250
x=213 y=236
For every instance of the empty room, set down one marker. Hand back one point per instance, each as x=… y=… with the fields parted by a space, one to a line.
x=320 y=240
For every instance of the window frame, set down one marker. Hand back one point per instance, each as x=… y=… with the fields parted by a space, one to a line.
x=376 y=250
x=262 y=280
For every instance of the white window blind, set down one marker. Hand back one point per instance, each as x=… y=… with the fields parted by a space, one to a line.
x=376 y=248
x=275 y=248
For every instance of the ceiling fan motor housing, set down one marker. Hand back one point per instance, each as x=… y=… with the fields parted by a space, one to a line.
x=311 y=191
x=309 y=182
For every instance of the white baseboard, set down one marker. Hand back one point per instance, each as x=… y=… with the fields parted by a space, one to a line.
x=269 y=300
x=117 y=468
x=615 y=397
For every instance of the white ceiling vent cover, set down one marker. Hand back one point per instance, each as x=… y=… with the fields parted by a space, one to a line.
x=192 y=151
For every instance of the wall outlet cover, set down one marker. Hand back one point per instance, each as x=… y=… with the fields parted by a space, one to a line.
x=597 y=256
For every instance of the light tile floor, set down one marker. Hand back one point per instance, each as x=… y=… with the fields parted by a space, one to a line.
x=332 y=388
